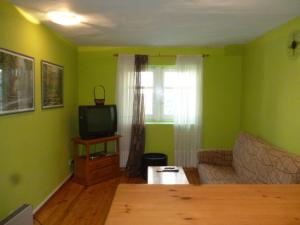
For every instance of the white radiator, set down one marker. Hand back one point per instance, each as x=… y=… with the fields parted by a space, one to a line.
x=21 y=216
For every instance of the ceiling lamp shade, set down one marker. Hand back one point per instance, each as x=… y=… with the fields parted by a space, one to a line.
x=64 y=18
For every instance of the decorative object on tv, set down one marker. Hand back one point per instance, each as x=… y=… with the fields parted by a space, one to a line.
x=52 y=85
x=16 y=82
x=99 y=101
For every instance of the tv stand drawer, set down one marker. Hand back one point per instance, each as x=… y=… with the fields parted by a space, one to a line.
x=103 y=162
x=104 y=173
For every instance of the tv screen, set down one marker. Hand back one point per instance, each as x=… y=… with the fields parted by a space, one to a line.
x=97 y=121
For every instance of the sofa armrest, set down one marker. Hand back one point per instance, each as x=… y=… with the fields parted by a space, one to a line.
x=219 y=157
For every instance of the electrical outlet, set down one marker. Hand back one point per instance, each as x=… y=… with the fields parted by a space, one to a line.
x=70 y=162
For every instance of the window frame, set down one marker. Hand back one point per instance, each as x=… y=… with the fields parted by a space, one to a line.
x=158 y=89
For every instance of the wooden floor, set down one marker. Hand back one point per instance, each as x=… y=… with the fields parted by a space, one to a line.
x=75 y=204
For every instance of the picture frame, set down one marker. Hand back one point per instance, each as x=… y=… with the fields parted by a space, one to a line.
x=52 y=85
x=17 y=75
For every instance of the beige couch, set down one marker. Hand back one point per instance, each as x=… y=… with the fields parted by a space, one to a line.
x=252 y=161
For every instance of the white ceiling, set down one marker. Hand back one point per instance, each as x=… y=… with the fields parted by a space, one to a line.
x=166 y=22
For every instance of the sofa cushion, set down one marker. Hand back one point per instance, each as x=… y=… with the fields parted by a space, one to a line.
x=219 y=157
x=213 y=174
x=258 y=162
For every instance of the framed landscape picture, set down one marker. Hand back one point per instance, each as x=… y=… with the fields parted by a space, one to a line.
x=52 y=85
x=16 y=82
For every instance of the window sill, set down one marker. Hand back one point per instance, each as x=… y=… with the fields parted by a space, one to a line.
x=159 y=122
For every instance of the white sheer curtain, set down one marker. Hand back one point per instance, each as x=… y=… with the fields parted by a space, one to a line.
x=188 y=113
x=124 y=101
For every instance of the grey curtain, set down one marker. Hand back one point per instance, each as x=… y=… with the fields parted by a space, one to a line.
x=137 y=142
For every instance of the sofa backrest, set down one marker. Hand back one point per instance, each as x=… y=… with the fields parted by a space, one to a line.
x=256 y=161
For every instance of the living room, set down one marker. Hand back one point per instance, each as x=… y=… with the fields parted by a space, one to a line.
x=250 y=84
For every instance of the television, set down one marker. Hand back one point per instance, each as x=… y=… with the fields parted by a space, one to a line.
x=97 y=121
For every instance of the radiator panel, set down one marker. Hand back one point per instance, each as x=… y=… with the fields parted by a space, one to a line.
x=21 y=216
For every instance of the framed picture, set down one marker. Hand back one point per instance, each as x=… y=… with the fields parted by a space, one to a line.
x=52 y=85
x=16 y=82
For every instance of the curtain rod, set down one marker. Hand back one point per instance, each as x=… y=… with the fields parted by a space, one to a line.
x=161 y=55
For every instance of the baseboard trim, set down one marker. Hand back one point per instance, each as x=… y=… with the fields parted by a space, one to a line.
x=36 y=209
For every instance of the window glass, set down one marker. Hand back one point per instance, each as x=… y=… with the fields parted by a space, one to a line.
x=147 y=84
x=147 y=79
x=148 y=101
x=169 y=102
x=160 y=86
x=170 y=79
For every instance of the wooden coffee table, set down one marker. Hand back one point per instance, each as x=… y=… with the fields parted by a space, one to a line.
x=157 y=176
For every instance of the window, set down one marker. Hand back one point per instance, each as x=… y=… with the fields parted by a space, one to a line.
x=159 y=88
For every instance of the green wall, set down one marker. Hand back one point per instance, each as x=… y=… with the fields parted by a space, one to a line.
x=222 y=101
x=35 y=146
x=222 y=90
x=271 y=98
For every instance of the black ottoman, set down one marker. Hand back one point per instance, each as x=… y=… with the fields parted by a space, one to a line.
x=153 y=159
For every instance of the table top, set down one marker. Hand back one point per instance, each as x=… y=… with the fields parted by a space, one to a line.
x=140 y=204
x=157 y=177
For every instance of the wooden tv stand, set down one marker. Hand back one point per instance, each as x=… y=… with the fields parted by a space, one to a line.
x=89 y=171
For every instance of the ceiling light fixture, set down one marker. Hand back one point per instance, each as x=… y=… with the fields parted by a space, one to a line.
x=64 y=18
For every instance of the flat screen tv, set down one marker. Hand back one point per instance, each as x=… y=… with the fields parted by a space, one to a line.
x=97 y=121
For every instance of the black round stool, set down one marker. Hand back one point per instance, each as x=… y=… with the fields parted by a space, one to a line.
x=153 y=159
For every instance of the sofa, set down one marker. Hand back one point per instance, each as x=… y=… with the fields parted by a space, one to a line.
x=252 y=161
